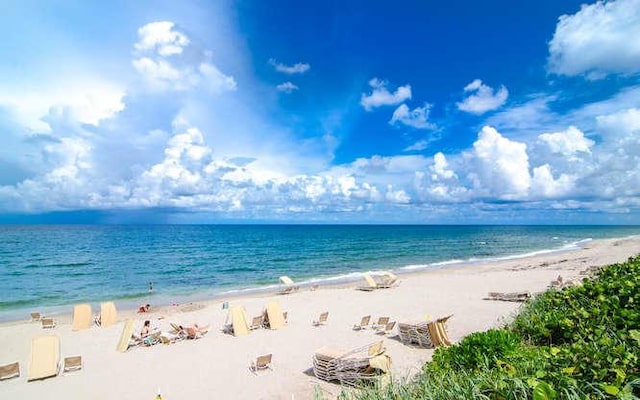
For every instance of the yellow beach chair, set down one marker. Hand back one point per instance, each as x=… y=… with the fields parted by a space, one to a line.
x=81 y=317
x=108 y=314
x=274 y=317
x=44 y=361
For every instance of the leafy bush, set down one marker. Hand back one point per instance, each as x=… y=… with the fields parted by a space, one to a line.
x=478 y=350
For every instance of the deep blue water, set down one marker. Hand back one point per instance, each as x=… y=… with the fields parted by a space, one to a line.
x=50 y=267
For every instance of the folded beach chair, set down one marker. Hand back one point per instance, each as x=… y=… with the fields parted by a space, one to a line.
x=273 y=315
x=322 y=319
x=10 y=371
x=81 y=317
x=238 y=325
x=386 y=329
x=127 y=338
x=289 y=286
x=44 y=361
x=382 y=322
x=364 y=322
x=48 y=322
x=261 y=362
x=371 y=283
x=35 y=316
x=387 y=280
x=438 y=332
x=512 y=296
x=108 y=314
x=72 y=363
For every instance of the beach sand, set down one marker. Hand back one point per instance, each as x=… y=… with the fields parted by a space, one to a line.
x=216 y=366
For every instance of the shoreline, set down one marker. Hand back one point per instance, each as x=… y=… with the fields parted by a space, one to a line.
x=217 y=364
x=346 y=279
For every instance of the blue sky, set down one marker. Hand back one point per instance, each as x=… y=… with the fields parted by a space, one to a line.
x=320 y=112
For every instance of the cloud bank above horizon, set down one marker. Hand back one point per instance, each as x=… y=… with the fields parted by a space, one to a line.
x=186 y=116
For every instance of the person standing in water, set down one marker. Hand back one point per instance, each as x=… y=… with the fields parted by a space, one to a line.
x=150 y=286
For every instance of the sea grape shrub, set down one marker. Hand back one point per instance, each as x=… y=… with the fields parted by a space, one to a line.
x=593 y=330
x=479 y=350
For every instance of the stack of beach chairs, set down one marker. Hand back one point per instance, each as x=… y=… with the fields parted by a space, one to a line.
x=354 y=367
x=425 y=334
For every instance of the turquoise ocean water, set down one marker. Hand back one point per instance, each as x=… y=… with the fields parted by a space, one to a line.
x=49 y=268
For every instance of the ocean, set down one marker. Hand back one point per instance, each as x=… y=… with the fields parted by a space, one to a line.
x=51 y=267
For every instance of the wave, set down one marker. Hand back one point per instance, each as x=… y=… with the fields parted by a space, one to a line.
x=481 y=260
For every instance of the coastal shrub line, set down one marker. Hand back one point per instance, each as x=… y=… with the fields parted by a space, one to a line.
x=581 y=342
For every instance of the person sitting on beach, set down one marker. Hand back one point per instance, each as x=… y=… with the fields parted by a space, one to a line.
x=144 y=308
x=194 y=332
x=146 y=329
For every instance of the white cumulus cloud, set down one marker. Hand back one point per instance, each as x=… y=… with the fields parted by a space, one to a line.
x=600 y=39
x=162 y=38
x=298 y=68
x=482 y=98
x=286 y=87
x=380 y=95
x=161 y=61
x=416 y=118
x=502 y=165
x=568 y=142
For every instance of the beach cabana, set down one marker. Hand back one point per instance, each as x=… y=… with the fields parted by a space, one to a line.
x=81 y=317
x=108 y=314
x=44 y=360
x=274 y=317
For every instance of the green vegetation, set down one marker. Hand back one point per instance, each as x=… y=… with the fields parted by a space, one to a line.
x=578 y=343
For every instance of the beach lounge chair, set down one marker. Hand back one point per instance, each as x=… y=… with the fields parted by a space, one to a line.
x=386 y=329
x=289 y=286
x=48 y=323
x=273 y=316
x=44 y=361
x=322 y=319
x=364 y=322
x=261 y=363
x=382 y=322
x=35 y=316
x=371 y=284
x=72 y=363
x=81 y=317
x=511 y=296
x=151 y=339
x=195 y=331
x=257 y=322
x=10 y=371
x=351 y=367
x=238 y=325
x=108 y=314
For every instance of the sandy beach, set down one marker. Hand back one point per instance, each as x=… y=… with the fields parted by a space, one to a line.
x=216 y=366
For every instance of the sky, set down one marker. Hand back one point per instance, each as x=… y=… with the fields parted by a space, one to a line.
x=422 y=112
